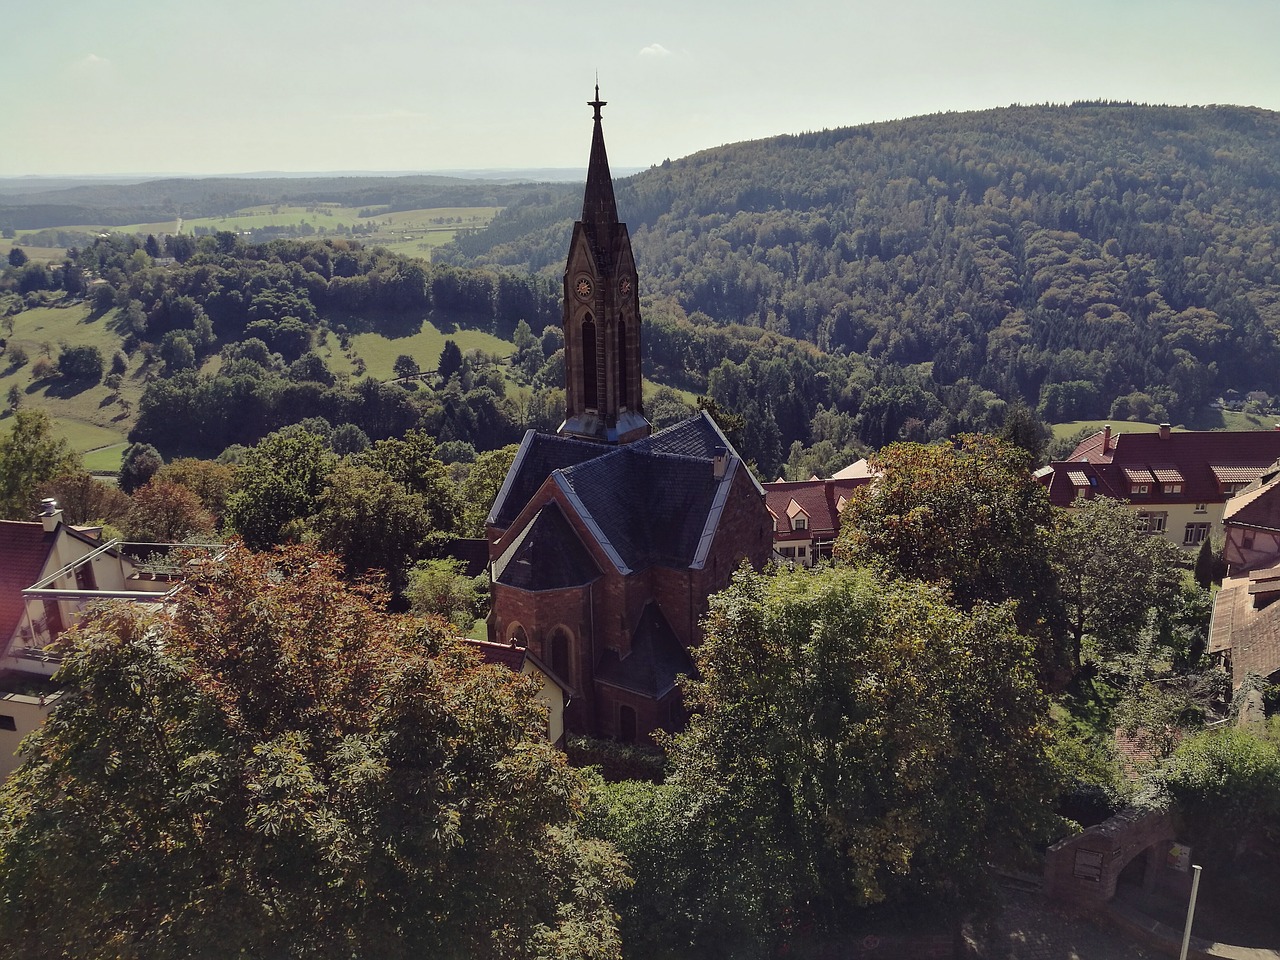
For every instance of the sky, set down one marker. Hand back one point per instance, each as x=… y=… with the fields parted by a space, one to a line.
x=240 y=86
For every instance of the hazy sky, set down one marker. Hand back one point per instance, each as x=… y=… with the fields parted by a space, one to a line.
x=231 y=86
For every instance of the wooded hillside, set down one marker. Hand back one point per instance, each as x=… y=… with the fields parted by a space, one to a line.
x=1092 y=259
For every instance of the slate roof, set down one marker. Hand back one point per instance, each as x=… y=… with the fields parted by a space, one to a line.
x=819 y=499
x=24 y=549
x=653 y=501
x=547 y=555
x=539 y=455
x=1201 y=460
x=513 y=658
x=657 y=657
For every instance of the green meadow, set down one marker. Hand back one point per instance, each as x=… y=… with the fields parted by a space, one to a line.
x=409 y=232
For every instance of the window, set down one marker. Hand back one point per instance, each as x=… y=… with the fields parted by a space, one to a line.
x=1194 y=534
x=84 y=577
x=802 y=552
x=560 y=653
x=799 y=522
x=590 y=397
x=788 y=552
x=1140 y=489
x=626 y=724
x=1202 y=508
x=518 y=637
x=1246 y=539
x=1172 y=488
x=1152 y=523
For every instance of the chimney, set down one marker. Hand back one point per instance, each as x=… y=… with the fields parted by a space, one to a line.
x=719 y=462
x=1165 y=430
x=1106 y=438
x=50 y=514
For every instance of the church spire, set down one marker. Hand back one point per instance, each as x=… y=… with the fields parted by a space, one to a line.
x=603 y=388
x=598 y=205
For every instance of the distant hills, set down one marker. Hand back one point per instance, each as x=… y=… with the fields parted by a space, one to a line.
x=1080 y=256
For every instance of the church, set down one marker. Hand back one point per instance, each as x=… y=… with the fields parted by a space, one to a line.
x=606 y=538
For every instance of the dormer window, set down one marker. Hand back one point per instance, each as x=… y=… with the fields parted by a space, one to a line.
x=800 y=522
x=1172 y=488
x=1140 y=489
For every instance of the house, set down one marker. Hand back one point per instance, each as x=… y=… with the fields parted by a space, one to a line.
x=1178 y=481
x=50 y=572
x=606 y=539
x=1244 y=634
x=552 y=691
x=806 y=515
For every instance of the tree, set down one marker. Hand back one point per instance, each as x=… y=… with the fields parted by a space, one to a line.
x=152 y=245
x=480 y=488
x=279 y=482
x=1111 y=576
x=412 y=462
x=273 y=767
x=450 y=360
x=852 y=740
x=138 y=465
x=80 y=363
x=17 y=257
x=405 y=367
x=30 y=454
x=86 y=500
x=371 y=522
x=439 y=588
x=167 y=512
x=969 y=515
x=177 y=352
x=209 y=480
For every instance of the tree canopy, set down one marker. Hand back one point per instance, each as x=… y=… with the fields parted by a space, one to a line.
x=275 y=767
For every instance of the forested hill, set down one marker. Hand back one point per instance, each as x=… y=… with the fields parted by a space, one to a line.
x=1081 y=257
x=159 y=200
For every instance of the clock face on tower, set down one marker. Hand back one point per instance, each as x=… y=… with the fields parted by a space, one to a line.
x=625 y=286
x=583 y=288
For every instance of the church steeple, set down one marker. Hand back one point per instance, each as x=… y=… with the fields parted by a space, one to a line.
x=603 y=389
x=598 y=205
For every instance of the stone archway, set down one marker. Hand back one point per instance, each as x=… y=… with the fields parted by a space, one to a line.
x=1084 y=870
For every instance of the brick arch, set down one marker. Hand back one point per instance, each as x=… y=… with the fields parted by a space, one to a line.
x=1084 y=869
x=517 y=634
x=558 y=652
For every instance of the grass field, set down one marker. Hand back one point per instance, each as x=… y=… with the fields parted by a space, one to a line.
x=413 y=233
x=40 y=254
x=379 y=353
x=92 y=418
x=1208 y=419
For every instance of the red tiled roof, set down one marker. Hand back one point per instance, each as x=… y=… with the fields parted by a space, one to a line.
x=819 y=499
x=24 y=549
x=1198 y=459
x=500 y=653
x=1248 y=635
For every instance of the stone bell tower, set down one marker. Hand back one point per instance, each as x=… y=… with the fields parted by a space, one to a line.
x=603 y=390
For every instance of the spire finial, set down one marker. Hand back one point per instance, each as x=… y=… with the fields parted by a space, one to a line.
x=597 y=102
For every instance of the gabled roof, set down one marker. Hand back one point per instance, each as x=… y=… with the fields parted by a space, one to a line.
x=547 y=555
x=1258 y=504
x=1250 y=633
x=24 y=550
x=819 y=499
x=655 y=501
x=539 y=455
x=512 y=657
x=656 y=659
x=1200 y=460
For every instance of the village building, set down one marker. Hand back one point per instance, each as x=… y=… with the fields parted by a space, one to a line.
x=806 y=515
x=606 y=539
x=1244 y=634
x=1177 y=481
x=50 y=572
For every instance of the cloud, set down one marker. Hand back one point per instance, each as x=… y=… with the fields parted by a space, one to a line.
x=655 y=50
x=92 y=62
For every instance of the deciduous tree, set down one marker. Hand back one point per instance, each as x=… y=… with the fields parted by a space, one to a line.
x=274 y=767
x=30 y=454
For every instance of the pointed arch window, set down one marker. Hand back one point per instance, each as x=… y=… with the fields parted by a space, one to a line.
x=560 y=653
x=590 y=394
x=622 y=364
